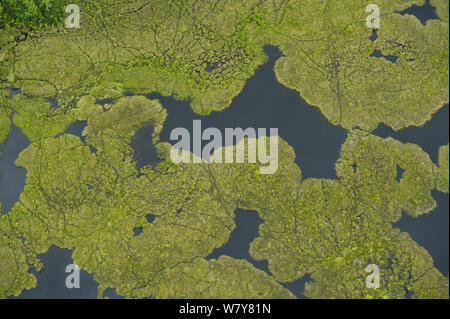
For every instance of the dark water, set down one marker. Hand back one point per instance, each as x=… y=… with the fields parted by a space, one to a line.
x=137 y=231
x=265 y=103
x=52 y=279
x=238 y=245
x=150 y=218
x=297 y=287
x=104 y=102
x=374 y=35
x=390 y=58
x=430 y=137
x=423 y=13
x=77 y=128
x=431 y=231
x=13 y=93
x=399 y=175
x=12 y=178
x=111 y=294
x=144 y=151
x=53 y=103
x=261 y=107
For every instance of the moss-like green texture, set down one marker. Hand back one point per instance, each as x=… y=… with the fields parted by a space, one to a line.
x=205 y=51
x=5 y=113
x=442 y=172
x=329 y=228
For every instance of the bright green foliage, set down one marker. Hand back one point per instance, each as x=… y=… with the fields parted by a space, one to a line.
x=30 y=14
x=129 y=113
x=38 y=120
x=15 y=260
x=374 y=174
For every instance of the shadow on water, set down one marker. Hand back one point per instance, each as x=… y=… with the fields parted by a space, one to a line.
x=51 y=281
x=238 y=245
x=265 y=103
x=431 y=231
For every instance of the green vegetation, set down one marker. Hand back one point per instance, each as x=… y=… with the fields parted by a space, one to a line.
x=5 y=123
x=442 y=172
x=30 y=14
x=211 y=279
x=328 y=60
x=205 y=51
x=330 y=229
